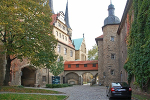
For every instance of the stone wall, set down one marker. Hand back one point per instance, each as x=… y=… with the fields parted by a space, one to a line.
x=123 y=51
x=110 y=48
x=2 y=64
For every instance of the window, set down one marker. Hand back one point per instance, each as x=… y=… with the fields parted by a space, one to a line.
x=63 y=36
x=85 y=65
x=56 y=33
x=112 y=72
x=69 y=66
x=77 y=65
x=43 y=78
x=112 y=38
x=60 y=35
x=71 y=53
x=65 y=51
x=64 y=27
x=94 y=65
x=112 y=56
x=58 y=48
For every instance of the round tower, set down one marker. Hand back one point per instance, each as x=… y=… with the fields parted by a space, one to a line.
x=110 y=47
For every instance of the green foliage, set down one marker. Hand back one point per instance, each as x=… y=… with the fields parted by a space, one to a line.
x=20 y=86
x=93 y=53
x=26 y=32
x=138 y=61
x=57 y=67
x=57 y=85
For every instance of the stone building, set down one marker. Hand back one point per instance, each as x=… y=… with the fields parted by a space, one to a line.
x=112 y=47
x=23 y=73
x=63 y=34
x=108 y=49
x=80 y=49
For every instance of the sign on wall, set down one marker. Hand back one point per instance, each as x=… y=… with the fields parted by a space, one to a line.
x=55 y=79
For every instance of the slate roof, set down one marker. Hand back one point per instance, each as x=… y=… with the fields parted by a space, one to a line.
x=67 y=16
x=111 y=19
x=77 y=43
x=51 y=6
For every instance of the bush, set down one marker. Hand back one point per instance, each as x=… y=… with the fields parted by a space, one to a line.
x=57 y=85
x=20 y=86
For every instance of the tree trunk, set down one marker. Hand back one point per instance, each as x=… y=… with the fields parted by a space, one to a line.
x=7 y=74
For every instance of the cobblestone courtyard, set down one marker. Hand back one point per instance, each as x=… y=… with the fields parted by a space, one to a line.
x=84 y=92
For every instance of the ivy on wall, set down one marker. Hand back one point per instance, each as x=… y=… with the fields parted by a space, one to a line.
x=138 y=61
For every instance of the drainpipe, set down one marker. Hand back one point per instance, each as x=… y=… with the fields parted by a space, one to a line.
x=48 y=76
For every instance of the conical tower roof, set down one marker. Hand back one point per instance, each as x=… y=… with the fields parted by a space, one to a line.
x=51 y=6
x=111 y=19
x=67 y=16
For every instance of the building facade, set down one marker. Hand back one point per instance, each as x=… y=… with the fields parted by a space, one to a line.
x=23 y=73
x=80 y=49
x=74 y=71
x=108 y=49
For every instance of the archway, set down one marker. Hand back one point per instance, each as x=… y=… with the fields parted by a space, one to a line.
x=87 y=78
x=72 y=78
x=28 y=76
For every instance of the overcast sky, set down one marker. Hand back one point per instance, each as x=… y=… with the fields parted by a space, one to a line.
x=87 y=16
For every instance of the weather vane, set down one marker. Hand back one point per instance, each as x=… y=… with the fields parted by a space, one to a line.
x=110 y=1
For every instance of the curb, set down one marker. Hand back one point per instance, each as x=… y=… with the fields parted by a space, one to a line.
x=66 y=98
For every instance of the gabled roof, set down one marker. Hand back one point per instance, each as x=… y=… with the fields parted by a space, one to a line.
x=77 y=43
x=100 y=37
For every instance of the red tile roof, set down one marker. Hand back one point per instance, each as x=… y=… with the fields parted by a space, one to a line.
x=100 y=36
x=81 y=62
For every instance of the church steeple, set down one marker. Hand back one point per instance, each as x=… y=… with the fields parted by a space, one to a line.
x=51 y=6
x=67 y=16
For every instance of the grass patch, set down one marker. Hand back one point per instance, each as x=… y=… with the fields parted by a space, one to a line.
x=25 y=90
x=140 y=97
x=30 y=97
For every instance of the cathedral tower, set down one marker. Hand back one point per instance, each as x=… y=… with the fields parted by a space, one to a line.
x=69 y=30
x=51 y=6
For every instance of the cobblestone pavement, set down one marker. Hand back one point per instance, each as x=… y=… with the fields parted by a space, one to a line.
x=84 y=92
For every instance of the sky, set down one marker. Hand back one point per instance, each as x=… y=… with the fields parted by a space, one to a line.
x=87 y=16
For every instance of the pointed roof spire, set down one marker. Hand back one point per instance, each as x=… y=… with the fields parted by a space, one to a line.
x=67 y=16
x=110 y=1
x=51 y=6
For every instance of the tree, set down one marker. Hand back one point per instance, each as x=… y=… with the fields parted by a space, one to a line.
x=57 y=67
x=26 y=32
x=93 y=53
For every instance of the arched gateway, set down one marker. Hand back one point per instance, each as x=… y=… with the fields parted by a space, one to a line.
x=79 y=72
x=28 y=76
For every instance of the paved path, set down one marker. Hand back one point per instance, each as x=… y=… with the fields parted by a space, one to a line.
x=84 y=92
